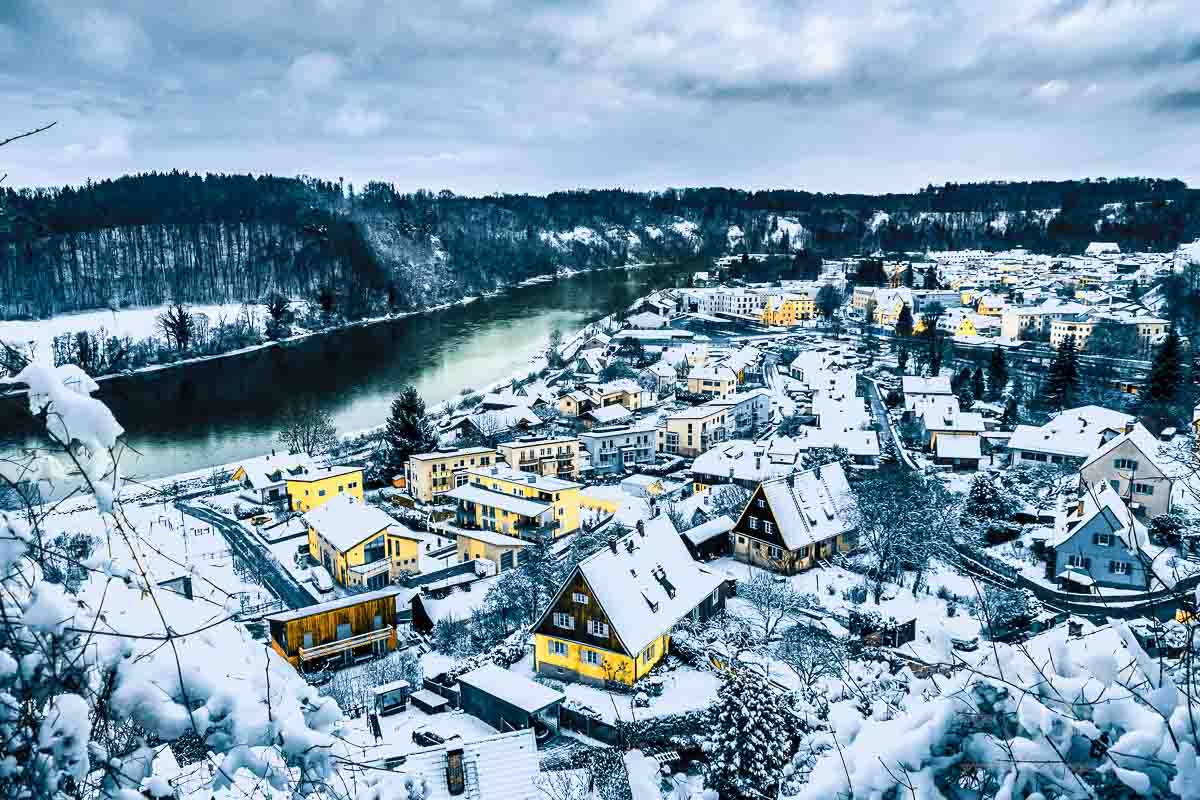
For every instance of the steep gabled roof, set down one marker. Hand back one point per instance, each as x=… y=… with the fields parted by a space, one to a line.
x=344 y=522
x=810 y=506
x=1155 y=451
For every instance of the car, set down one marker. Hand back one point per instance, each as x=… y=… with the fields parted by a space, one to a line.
x=260 y=519
x=965 y=645
x=321 y=580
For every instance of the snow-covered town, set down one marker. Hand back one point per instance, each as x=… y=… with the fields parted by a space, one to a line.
x=802 y=538
x=737 y=400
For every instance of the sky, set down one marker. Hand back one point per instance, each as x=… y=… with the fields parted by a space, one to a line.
x=533 y=96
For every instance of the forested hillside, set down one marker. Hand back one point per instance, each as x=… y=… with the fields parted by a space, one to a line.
x=226 y=238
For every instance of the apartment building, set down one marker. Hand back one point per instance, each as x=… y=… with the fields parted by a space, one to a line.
x=614 y=449
x=429 y=475
x=551 y=457
x=522 y=504
x=689 y=433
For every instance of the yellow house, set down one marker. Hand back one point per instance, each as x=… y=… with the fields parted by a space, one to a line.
x=955 y=322
x=693 y=431
x=718 y=381
x=789 y=309
x=431 y=474
x=553 y=457
x=992 y=305
x=503 y=551
x=521 y=504
x=611 y=619
x=360 y=545
x=314 y=489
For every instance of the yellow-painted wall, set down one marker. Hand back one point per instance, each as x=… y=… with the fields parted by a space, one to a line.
x=401 y=551
x=565 y=501
x=613 y=666
x=305 y=495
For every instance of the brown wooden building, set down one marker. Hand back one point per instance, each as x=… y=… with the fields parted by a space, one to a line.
x=795 y=523
x=341 y=632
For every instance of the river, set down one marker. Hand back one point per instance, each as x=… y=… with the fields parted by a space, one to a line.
x=217 y=412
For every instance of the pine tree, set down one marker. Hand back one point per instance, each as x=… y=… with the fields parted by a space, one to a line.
x=977 y=386
x=751 y=740
x=1064 y=376
x=904 y=323
x=1166 y=374
x=1011 y=416
x=408 y=431
x=997 y=373
x=902 y=358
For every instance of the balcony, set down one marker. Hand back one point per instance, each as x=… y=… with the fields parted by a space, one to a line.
x=371 y=569
x=342 y=645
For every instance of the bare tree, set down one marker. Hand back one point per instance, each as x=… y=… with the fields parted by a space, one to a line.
x=772 y=602
x=177 y=325
x=812 y=654
x=308 y=429
x=728 y=500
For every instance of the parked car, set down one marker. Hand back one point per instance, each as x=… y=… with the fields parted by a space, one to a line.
x=320 y=579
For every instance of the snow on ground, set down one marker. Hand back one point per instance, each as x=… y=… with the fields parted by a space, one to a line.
x=357 y=743
x=137 y=323
x=797 y=233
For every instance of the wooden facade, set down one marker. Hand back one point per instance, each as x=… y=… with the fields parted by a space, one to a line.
x=757 y=539
x=339 y=632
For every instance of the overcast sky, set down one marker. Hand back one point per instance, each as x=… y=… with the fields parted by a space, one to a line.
x=480 y=96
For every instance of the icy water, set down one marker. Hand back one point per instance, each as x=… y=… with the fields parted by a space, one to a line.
x=219 y=411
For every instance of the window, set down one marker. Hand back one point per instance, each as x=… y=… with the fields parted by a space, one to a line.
x=741 y=540
x=774 y=552
x=1143 y=488
x=1079 y=561
x=1119 y=567
x=649 y=653
x=565 y=621
x=1102 y=540
x=1125 y=463
x=802 y=552
x=597 y=628
x=558 y=648
x=753 y=522
x=591 y=657
x=580 y=597
x=716 y=596
x=341 y=488
x=321 y=493
x=768 y=527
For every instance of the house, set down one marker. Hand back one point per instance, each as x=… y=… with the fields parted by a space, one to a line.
x=992 y=305
x=609 y=415
x=748 y=411
x=477 y=544
x=647 y=320
x=1071 y=436
x=499 y=767
x=690 y=432
x=789 y=309
x=745 y=463
x=1077 y=327
x=791 y=524
x=494 y=422
x=360 y=545
x=612 y=618
x=708 y=539
x=432 y=474
x=936 y=425
x=317 y=487
x=344 y=631
x=1139 y=467
x=1099 y=542
x=718 y=381
x=523 y=504
x=916 y=389
x=663 y=375
x=1102 y=248
x=264 y=480
x=552 y=457
x=508 y=701
x=617 y=448
x=742 y=362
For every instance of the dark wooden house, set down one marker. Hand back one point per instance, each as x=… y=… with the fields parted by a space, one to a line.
x=341 y=632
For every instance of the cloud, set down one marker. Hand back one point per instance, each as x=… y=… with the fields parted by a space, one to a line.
x=1052 y=90
x=354 y=118
x=315 y=71
x=865 y=95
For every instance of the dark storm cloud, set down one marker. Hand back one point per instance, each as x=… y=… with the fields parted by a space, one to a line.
x=482 y=96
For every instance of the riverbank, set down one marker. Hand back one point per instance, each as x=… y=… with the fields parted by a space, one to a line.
x=35 y=338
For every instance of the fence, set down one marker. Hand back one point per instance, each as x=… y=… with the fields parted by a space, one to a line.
x=588 y=725
x=441 y=690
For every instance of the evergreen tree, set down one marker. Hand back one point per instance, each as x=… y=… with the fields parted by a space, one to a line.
x=908 y=276
x=902 y=358
x=977 y=386
x=1011 y=416
x=408 y=431
x=904 y=323
x=751 y=740
x=1166 y=374
x=997 y=373
x=1063 y=381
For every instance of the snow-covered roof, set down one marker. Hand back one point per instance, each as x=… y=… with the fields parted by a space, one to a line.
x=459 y=604
x=637 y=604
x=321 y=474
x=488 y=537
x=914 y=384
x=344 y=522
x=505 y=502
x=500 y=767
x=1155 y=451
x=462 y=451
x=810 y=506
x=506 y=472
x=516 y=690
x=1101 y=499
x=274 y=470
x=715 y=372
x=707 y=531
x=744 y=460
x=614 y=413
x=959 y=447
x=960 y=422
x=402 y=595
x=1076 y=432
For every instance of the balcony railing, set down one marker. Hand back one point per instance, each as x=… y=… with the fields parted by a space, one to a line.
x=342 y=645
x=373 y=568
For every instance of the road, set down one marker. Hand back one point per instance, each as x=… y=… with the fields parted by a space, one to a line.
x=278 y=580
x=879 y=412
